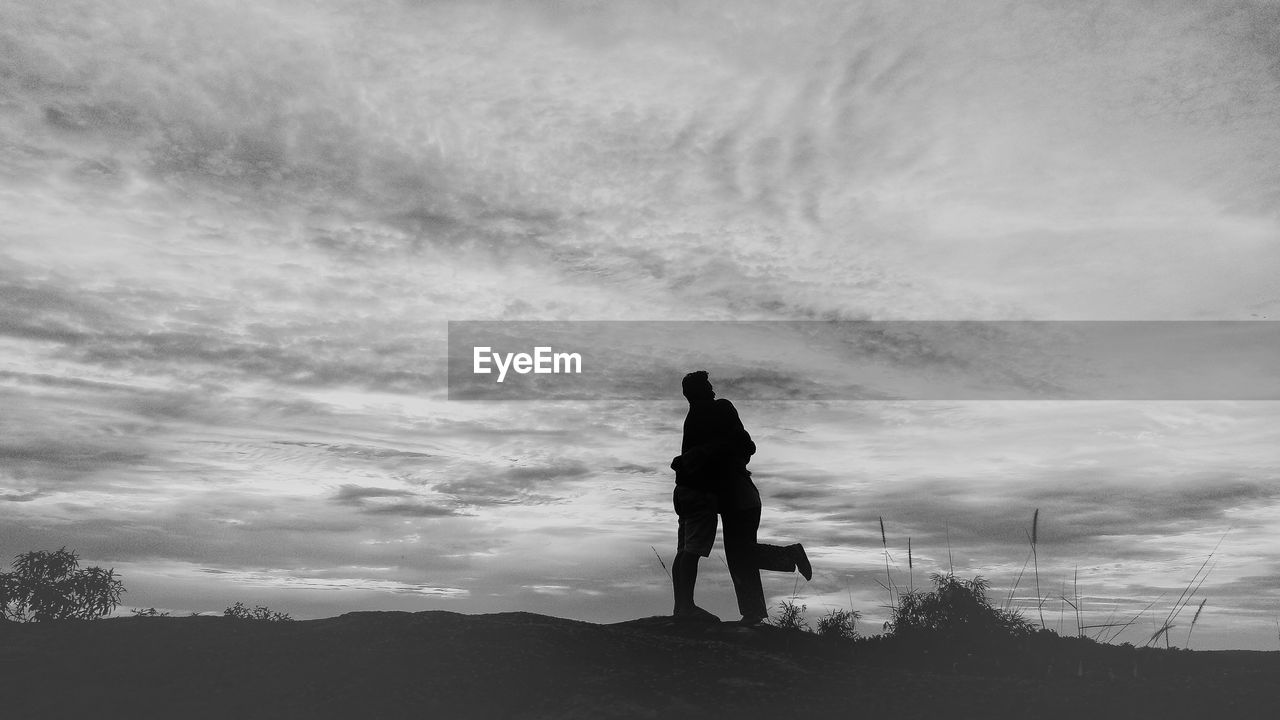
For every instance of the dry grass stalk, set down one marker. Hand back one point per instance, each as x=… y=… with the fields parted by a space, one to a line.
x=1194 y=618
x=1035 y=523
x=950 y=560
x=911 y=582
x=1197 y=580
x=1162 y=630
x=1121 y=627
x=1017 y=581
x=884 y=542
x=1075 y=590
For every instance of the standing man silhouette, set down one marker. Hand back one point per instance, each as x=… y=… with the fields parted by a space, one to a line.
x=712 y=476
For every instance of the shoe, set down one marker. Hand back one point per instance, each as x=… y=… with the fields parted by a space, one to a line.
x=695 y=614
x=801 y=560
x=752 y=620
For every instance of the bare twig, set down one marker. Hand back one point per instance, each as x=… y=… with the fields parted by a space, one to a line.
x=664 y=565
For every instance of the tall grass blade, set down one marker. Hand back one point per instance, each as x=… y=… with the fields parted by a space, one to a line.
x=951 y=563
x=1017 y=580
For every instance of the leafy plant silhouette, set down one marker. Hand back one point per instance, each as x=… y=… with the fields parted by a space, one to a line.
x=791 y=616
x=51 y=586
x=954 y=609
x=839 y=624
x=260 y=612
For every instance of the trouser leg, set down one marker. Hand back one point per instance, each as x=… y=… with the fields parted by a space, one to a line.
x=775 y=558
x=740 y=528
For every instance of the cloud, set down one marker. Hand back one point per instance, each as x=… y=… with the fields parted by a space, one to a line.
x=1080 y=511
x=47 y=311
x=293 y=580
x=367 y=500
x=634 y=469
x=368 y=452
x=22 y=496
x=514 y=484
x=354 y=494
x=60 y=461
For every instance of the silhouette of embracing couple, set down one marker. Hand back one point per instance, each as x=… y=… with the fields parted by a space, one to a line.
x=712 y=479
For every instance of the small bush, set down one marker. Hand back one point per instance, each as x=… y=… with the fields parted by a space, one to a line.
x=839 y=624
x=52 y=586
x=260 y=612
x=954 y=609
x=791 y=616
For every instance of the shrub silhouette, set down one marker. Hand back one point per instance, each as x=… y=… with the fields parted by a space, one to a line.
x=954 y=609
x=260 y=612
x=791 y=616
x=839 y=624
x=148 y=612
x=51 y=586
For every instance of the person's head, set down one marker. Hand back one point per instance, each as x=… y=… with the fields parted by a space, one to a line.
x=697 y=388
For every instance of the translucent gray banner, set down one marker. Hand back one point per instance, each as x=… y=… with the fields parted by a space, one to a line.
x=867 y=360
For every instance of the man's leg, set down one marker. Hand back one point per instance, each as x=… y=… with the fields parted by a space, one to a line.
x=684 y=575
x=740 y=527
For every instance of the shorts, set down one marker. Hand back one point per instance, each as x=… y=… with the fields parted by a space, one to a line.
x=697 y=512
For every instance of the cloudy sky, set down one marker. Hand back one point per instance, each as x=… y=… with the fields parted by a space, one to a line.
x=232 y=235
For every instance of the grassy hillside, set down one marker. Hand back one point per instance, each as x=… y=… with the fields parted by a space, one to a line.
x=518 y=665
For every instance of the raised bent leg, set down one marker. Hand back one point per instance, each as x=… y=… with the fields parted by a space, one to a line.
x=775 y=557
x=740 y=527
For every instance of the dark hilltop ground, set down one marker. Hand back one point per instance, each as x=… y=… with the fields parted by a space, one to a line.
x=520 y=665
